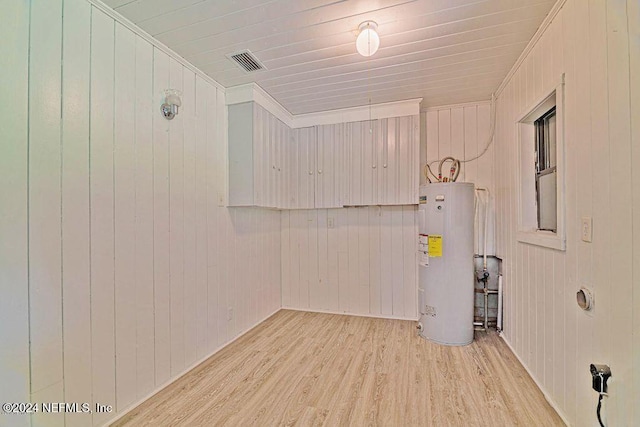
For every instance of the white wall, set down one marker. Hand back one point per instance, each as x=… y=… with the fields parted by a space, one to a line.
x=596 y=44
x=461 y=131
x=364 y=264
x=118 y=265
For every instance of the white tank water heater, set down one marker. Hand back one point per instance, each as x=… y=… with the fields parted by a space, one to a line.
x=446 y=277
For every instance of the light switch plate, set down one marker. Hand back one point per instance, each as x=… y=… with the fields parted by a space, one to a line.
x=587 y=229
x=331 y=222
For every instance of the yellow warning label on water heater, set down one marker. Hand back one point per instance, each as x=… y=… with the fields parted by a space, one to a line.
x=435 y=245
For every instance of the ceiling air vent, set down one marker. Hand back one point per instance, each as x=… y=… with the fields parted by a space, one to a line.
x=246 y=61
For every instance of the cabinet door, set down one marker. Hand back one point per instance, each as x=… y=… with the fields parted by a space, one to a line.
x=408 y=132
x=306 y=144
x=399 y=152
x=369 y=163
x=260 y=151
x=363 y=174
x=391 y=147
x=285 y=166
x=329 y=166
x=292 y=171
x=272 y=162
x=355 y=141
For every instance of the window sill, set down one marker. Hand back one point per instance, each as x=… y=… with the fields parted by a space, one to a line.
x=546 y=239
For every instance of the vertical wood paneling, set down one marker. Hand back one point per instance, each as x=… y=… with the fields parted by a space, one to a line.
x=333 y=293
x=14 y=306
x=285 y=293
x=294 y=263
x=581 y=132
x=353 y=254
x=486 y=168
x=589 y=42
x=304 y=277
x=161 y=267
x=144 y=219
x=397 y=261
x=124 y=216
x=344 y=291
x=133 y=261
x=386 y=266
x=599 y=131
x=323 y=261
x=462 y=132
x=571 y=47
x=470 y=147
x=101 y=165
x=633 y=14
x=201 y=255
x=176 y=226
x=313 y=271
x=75 y=206
x=432 y=140
x=375 y=214
x=410 y=249
x=362 y=295
x=620 y=120
x=364 y=264
x=355 y=141
x=45 y=257
x=457 y=137
x=214 y=161
x=222 y=220
x=390 y=166
x=191 y=295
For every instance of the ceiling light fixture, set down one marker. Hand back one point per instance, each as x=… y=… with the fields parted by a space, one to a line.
x=368 y=40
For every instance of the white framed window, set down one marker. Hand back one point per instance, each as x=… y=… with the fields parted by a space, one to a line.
x=541 y=195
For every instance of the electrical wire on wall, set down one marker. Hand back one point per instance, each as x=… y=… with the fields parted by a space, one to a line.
x=456 y=164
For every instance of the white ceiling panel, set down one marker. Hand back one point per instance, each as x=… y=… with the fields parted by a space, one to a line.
x=445 y=51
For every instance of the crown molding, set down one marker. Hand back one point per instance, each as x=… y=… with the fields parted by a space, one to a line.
x=408 y=107
x=459 y=105
x=253 y=92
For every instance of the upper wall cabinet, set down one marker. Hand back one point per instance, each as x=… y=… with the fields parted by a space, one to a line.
x=331 y=184
x=303 y=152
x=383 y=161
x=322 y=179
x=259 y=169
x=358 y=163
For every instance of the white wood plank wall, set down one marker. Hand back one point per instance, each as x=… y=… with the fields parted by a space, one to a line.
x=461 y=131
x=595 y=43
x=351 y=260
x=14 y=238
x=119 y=269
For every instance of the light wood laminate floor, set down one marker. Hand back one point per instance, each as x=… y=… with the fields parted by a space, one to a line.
x=299 y=368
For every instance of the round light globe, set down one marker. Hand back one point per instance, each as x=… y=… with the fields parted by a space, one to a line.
x=368 y=40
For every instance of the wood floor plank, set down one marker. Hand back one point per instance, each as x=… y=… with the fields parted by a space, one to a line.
x=313 y=369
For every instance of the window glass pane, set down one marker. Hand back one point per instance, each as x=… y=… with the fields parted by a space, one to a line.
x=547 y=216
x=551 y=141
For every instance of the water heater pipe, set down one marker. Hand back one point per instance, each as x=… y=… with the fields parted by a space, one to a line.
x=499 y=322
x=486 y=226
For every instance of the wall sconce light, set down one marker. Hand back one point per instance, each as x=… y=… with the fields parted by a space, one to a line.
x=368 y=40
x=171 y=104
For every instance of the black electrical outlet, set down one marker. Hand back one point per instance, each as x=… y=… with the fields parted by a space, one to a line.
x=599 y=376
